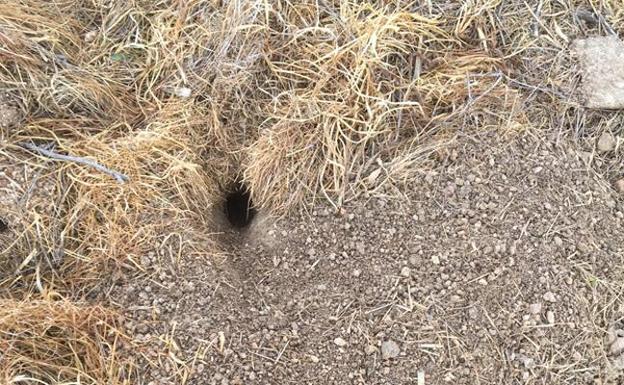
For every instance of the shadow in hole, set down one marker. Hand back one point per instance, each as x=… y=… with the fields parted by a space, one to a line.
x=239 y=208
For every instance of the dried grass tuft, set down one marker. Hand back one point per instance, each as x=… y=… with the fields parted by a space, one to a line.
x=59 y=342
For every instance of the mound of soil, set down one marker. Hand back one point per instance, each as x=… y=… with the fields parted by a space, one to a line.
x=503 y=265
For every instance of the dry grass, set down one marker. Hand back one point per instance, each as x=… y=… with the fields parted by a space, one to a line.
x=302 y=100
x=57 y=342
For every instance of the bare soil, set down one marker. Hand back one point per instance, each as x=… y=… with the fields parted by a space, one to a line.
x=503 y=265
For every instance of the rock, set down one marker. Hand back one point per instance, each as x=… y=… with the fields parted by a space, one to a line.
x=435 y=259
x=606 y=142
x=9 y=116
x=90 y=36
x=550 y=297
x=617 y=346
x=340 y=342
x=550 y=317
x=619 y=186
x=314 y=359
x=602 y=68
x=420 y=377
x=535 y=308
x=405 y=271
x=389 y=349
x=558 y=241
x=370 y=349
x=483 y=282
x=182 y=92
x=357 y=273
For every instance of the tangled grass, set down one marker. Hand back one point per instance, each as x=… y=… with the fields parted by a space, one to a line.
x=59 y=342
x=316 y=99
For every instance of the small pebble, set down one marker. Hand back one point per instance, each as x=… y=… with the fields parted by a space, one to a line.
x=619 y=186
x=405 y=271
x=370 y=349
x=606 y=142
x=340 y=342
x=550 y=317
x=550 y=297
x=90 y=36
x=558 y=241
x=182 y=92
x=535 y=308
x=617 y=346
x=389 y=349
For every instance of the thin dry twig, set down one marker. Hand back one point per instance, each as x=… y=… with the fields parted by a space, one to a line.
x=121 y=178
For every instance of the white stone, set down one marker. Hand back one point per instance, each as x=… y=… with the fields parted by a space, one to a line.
x=602 y=68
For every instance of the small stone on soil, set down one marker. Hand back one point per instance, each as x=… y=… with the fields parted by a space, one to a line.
x=606 y=142
x=617 y=346
x=340 y=342
x=550 y=317
x=405 y=271
x=389 y=349
x=558 y=241
x=370 y=349
x=550 y=297
x=535 y=308
x=619 y=186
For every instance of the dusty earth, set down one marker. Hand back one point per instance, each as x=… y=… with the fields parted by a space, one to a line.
x=502 y=266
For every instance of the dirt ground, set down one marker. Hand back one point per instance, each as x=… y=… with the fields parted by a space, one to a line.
x=502 y=266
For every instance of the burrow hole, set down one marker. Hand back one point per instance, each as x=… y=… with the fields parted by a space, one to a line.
x=239 y=209
x=3 y=226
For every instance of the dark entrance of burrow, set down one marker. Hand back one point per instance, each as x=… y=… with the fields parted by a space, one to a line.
x=238 y=207
x=3 y=226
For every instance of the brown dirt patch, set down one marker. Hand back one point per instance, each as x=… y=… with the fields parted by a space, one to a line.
x=502 y=266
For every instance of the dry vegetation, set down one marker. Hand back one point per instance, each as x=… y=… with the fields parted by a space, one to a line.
x=298 y=99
